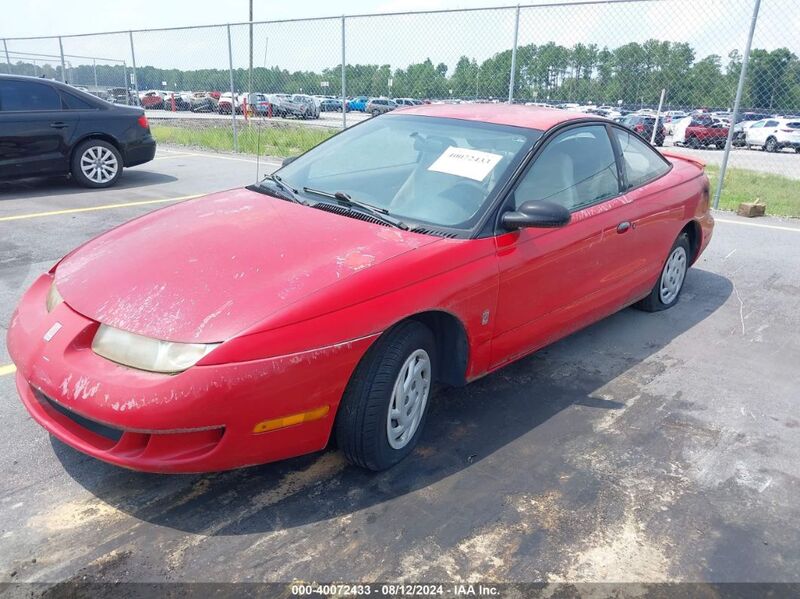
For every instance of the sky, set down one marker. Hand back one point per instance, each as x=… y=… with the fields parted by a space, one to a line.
x=710 y=26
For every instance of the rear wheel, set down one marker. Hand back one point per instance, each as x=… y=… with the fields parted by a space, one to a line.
x=668 y=288
x=771 y=145
x=693 y=143
x=96 y=163
x=384 y=406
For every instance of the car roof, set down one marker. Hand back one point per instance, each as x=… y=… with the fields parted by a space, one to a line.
x=531 y=117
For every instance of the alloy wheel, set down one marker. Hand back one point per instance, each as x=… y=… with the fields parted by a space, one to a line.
x=99 y=164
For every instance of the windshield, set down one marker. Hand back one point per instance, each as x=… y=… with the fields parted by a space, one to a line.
x=436 y=171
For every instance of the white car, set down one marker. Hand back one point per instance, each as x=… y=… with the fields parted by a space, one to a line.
x=774 y=134
x=226 y=105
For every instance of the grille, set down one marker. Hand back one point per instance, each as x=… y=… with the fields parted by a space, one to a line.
x=107 y=432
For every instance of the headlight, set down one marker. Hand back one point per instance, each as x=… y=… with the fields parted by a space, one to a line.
x=146 y=353
x=53 y=298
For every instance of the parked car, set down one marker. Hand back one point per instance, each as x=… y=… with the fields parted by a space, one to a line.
x=121 y=95
x=743 y=122
x=300 y=106
x=448 y=250
x=407 y=102
x=330 y=105
x=152 y=99
x=228 y=103
x=257 y=103
x=49 y=128
x=177 y=101
x=377 y=106
x=279 y=104
x=204 y=102
x=773 y=135
x=700 y=131
x=643 y=125
x=358 y=103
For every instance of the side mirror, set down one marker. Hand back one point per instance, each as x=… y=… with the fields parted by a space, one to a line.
x=536 y=214
x=288 y=160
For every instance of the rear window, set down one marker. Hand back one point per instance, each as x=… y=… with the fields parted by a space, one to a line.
x=75 y=103
x=642 y=162
x=22 y=96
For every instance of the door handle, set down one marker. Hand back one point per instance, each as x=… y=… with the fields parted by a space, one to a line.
x=59 y=125
x=623 y=226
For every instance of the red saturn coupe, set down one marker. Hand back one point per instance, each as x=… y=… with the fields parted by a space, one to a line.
x=433 y=244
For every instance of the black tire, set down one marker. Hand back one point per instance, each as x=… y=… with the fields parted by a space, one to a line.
x=75 y=166
x=771 y=145
x=653 y=302
x=361 y=423
x=693 y=143
x=376 y=112
x=797 y=150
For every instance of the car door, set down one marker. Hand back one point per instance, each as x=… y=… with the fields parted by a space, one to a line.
x=555 y=281
x=35 y=132
x=754 y=134
x=769 y=130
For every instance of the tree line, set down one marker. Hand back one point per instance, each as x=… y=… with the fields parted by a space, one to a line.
x=632 y=74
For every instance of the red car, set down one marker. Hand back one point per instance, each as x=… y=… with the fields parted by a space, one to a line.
x=251 y=325
x=705 y=132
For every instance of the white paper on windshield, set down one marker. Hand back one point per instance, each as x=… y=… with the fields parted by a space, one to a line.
x=464 y=162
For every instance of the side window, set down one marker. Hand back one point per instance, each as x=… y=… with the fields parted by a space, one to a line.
x=75 y=103
x=22 y=96
x=642 y=163
x=757 y=125
x=771 y=124
x=576 y=169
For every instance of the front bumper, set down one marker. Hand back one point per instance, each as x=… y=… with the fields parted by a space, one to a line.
x=199 y=420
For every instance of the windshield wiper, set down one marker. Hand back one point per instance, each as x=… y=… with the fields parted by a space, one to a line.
x=279 y=189
x=381 y=214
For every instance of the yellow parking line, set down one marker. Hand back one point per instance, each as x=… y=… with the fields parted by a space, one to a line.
x=93 y=208
x=7 y=369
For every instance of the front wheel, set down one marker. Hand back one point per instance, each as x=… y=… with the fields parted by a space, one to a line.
x=96 y=163
x=384 y=406
x=668 y=288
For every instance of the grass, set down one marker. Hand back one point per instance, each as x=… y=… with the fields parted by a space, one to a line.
x=279 y=141
x=780 y=194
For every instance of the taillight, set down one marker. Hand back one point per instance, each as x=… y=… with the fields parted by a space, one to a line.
x=142 y=120
x=638 y=128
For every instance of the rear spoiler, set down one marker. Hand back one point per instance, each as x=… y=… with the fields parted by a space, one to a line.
x=696 y=161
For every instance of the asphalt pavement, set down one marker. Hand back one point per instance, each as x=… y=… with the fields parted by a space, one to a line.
x=647 y=447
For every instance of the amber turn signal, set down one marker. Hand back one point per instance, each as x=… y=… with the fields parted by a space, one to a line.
x=276 y=423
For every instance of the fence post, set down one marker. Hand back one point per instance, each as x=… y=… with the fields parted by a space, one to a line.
x=233 y=93
x=736 y=103
x=8 y=60
x=125 y=82
x=344 y=82
x=513 y=59
x=133 y=62
x=658 y=117
x=63 y=66
x=94 y=68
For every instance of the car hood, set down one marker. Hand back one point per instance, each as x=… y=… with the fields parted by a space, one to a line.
x=206 y=269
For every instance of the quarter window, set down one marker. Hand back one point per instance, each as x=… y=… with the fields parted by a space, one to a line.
x=642 y=163
x=75 y=103
x=18 y=96
x=576 y=169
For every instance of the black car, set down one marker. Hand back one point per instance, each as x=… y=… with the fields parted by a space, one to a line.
x=48 y=128
x=643 y=125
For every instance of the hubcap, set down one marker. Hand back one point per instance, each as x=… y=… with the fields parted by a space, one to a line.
x=672 y=276
x=409 y=398
x=99 y=164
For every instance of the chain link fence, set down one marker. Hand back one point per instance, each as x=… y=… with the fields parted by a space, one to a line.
x=671 y=69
